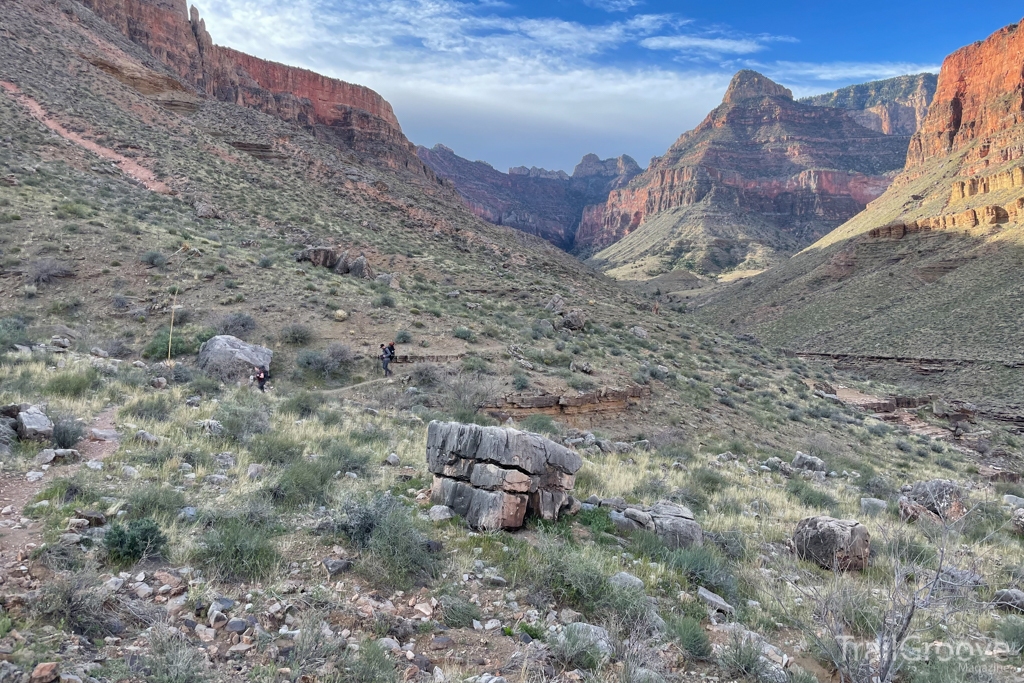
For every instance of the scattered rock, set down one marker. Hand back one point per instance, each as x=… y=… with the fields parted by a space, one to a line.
x=158 y=383
x=49 y=455
x=574 y=319
x=802 y=461
x=843 y=544
x=340 y=316
x=389 y=644
x=873 y=506
x=1018 y=520
x=99 y=353
x=104 y=435
x=45 y=673
x=1013 y=501
x=940 y=496
x=588 y=635
x=335 y=566
x=129 y=472
x=96 y=465
x=440 y=513
x=1009 y=599
x=34 y=476
x=255 y=471
x=715 y=601
x=393 y=460
x=638 y=332
x=145 y=437
x=236 y=625
x=626 y=580
x=33 y=424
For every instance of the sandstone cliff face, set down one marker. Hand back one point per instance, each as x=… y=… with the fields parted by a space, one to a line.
x=930 y=269
x=762 y=175
x=545 y=203
x=894 y=106
x=351 y=115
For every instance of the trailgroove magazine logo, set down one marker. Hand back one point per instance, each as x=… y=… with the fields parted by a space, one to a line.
x=914 y=650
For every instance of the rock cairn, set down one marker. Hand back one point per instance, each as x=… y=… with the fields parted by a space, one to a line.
x=493 y=476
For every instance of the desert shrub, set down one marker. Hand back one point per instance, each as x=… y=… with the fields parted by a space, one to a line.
x=302 y=403
x=708 y=480
x=384 y=300
x=153 y=258
x=67 y=431
x=128 y=543
x=244 y=416
x=180 y=374
x=303 y=482
x=359 y=517
x=314 y=648
x=463 y=395
x=576 y=650
x=741 y=658
x=1011 y=631
x=397 y=555
x=232 y=551
x=172 y=659
x=463 y=333
x=266 y=262
x=371 y=665
x=184 y=342
x=276 y=448
x=73 y=210
x=118 y=348
x=808 y=495
x=157 y=407
x=237 y=324
x=76 y=602
x=12 y=331
x=403 y=337
x=541 y=423
x=162 y=502
x=335 y=361
x=297 y=334
x=425 y=375
x=690 y=636
x=520 y=381
x=45 y=271
x=458 y=612
x=71 y=384
x=704 y=566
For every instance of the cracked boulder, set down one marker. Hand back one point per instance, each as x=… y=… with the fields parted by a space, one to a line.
x=229 y=358
x=842 y=544
x=492 y=476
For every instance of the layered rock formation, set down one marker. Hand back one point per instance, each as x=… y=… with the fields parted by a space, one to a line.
x=931 y=269
x=350 y=115
x=759 y=178
x=894 y=106
x=545 y=203
x=493 y=476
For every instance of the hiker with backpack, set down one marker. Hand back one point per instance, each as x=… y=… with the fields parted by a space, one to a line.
x=260 y=375
x=387 y=354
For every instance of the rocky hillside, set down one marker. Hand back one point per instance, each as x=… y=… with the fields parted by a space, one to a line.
x=545 y=203
x=894 y=106
x=761 y=177
x=931 y=269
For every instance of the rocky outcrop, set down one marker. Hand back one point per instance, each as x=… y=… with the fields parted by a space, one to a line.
x=941 y=497
x=493 y=476
x=842 y=544
x=545 y=203
x=760 y=177
x=231 y=359
x=674 y=524
x=350 y=115
x=894 y=106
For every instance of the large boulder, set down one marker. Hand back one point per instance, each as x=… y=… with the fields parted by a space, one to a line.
x=574 y=319
x=493 y=476
x=843 y=544
x=675 y=525
x=360 y=267
x=942 y=497
x=229 y=358
x=325 y=257
x=802 y=461
x=33 y=424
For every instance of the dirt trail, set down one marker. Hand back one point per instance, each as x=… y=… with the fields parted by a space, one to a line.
x=15 y=491
x=129 y=167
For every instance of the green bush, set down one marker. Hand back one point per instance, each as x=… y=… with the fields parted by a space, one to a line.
x=233 y=552
x=184 y=342
x=276 y=448
x=335 y=361
x=128 y=543
x=12 y=331
x=302 y=403
x=303 y=482
x=403 y=337
x=810 y=496
x=1011 y=632
x=239 y=325
x=741 y=658
x=704 y=566
x=156 y=407
x=74 y=601
x=73 y=210
x=576 y=650
x=397 y=554
x=71 y=384
x=162 y=502
x=371 y=665
x=67 y=431
x=153 y=258
x=296 y=334
x=172 y=659
x=463 y=333
x=520 y=381
x=457 y=612
x=690 y=636
x=540 y=423
x=384 y=301
x=243 y=417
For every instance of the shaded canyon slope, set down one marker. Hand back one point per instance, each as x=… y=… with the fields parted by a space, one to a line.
x=894 y=106
x=760 y=178
x=545 y=203
x=932 y=268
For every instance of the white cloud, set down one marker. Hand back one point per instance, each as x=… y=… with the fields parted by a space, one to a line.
x=612 y=5
x=844 y=71
x=510 y=90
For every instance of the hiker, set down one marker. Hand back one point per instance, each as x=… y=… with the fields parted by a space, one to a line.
x=260 y=375
x=386 y=359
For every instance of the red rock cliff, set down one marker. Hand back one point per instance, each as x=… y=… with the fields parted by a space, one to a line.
x=980 y=94
x=179 y=39
x=777 y=172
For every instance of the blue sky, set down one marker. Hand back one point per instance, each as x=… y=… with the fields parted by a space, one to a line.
x=541 y=83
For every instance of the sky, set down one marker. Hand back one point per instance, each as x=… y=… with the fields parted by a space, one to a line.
x=543 y=82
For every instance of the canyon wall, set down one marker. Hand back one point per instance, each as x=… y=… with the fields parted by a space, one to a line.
x=545 y=203
x=894 y=106
x=764 y=173
x=352 y=115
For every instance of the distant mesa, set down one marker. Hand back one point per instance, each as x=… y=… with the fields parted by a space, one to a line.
x=895 y=106
x=548 y=204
